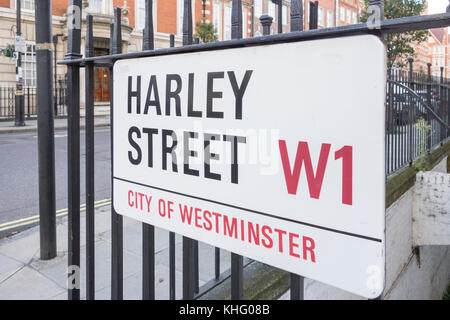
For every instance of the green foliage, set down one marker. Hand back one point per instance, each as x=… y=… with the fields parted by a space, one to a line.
x=424 y=133
x=8 y=51
x=206 y=31
x=447 y=294
x=399 y=44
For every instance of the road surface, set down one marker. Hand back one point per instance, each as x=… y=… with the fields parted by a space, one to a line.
x=19 y=194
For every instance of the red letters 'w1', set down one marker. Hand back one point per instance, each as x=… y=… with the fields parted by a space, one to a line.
x=292 y=176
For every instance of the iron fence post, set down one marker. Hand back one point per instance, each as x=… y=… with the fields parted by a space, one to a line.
x=73 y=139
x=237 y=261
x=172 y=234
x=313 y=12
x=116 y=219
x=187 y=23
x=428 y=137
x=410 y=111
x=148 y=231
x=189 y=277
x=296 y=15
x=46 y=142
x=297 y=287
x=90 y=164
x=279 y=4
x=297 y=281
x=236 y=19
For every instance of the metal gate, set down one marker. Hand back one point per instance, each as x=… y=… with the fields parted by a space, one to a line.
x=75 y=61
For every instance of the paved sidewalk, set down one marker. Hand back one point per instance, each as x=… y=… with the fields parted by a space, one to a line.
x=101 y=119
x=24 y=276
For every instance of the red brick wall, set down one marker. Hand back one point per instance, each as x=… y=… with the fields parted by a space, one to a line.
x=131 y=12
x=167 y=16
x=4 y=3
x=59 y=7
x=326 y=5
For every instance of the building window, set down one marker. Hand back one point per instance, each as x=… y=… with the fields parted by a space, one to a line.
x=354 y=18
x=320 y=17
x=285 y=15
x=227 y=23
x=258 y=8
x=140 y=14
x=349 y=16
x=244 y=22
x=27 y=4
x=308 y=12
x=342 y=14
x=272 y=10
x=29 y=66
x=329 y=19
x=217 y=19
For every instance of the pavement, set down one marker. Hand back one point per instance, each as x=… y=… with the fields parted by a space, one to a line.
x=24 y=276
x=101 y=114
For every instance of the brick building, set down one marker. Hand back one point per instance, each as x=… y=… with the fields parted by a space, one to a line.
x=168 y=18
x=438 y=51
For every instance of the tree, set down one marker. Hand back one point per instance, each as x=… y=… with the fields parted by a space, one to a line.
x=399 y=45
x=206 y=31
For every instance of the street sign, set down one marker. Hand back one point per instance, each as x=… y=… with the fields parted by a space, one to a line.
x=20 y=45
x=273 y=152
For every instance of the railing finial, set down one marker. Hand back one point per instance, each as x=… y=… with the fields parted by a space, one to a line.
x=236 y=19
x=266 y=22
x=187 y=22
x=117 y=41
x=89 y=36
x=296 y=15
x=148 y=42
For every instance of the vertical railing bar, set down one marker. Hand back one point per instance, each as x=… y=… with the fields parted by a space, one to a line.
x=391 y=129
x=402 y=105
x=196 y=252
x=280 y=16
x=73 y=139
x=297 y=281
x=411 y=110
x=117 y=220
x=236 y=19
x=297 y=287
x=188 y=244
x=148 y=231
x=217 y=263
x=172 y=295
x=90 y=164
x=237 y=261
x=296 y=15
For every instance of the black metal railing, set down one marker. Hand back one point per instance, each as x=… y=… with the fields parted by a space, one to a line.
x=417 y=117
x=8 y=101
x=191 y=288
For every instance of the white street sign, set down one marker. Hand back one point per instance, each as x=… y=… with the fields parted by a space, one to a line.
x=273 y=152
x=20 y=45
